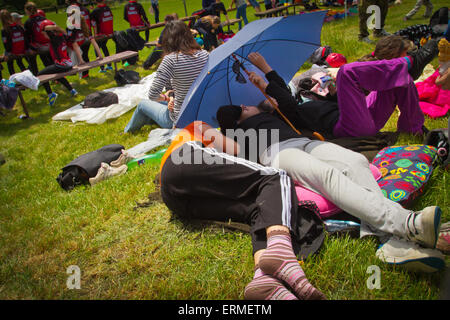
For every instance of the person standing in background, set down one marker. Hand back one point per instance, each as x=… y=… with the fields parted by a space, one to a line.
x=419 y=3
x=103 y=25
x=241 y=11
x=134 y=13
x=155 y=8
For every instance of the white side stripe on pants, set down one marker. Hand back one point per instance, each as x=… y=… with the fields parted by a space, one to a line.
x=285 y=182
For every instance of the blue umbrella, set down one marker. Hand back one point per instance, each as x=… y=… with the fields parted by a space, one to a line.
x=285 y=43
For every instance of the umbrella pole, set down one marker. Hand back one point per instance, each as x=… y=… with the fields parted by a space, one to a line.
x=316 y=134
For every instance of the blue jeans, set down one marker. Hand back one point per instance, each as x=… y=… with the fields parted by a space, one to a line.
x=242 y=12
x=149 y=112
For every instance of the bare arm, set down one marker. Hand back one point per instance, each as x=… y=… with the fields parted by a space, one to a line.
x=220 y=142
x=96 y=48
x=55 y=28
x=77 y=50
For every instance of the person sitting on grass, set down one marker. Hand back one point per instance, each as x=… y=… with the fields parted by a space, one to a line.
x=338 y=174
x=182 y=63
x=358 y=106
x=58 y=52
x=236 y=188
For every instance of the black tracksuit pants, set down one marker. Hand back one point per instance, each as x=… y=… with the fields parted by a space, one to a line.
x=228 y=188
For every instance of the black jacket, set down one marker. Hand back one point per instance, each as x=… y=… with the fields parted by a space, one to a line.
x=320 y=116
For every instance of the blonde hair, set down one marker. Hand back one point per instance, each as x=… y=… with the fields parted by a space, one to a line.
x=211 y=20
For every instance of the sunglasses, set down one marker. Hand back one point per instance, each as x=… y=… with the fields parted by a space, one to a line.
x=236 y=67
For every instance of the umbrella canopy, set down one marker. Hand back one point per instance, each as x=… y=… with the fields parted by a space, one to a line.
x=285 y=43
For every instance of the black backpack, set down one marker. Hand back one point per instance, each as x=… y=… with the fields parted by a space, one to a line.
x=123 y=43
x=120 y=38
x=86 y=166
x=320 y=55
x=100 y=99
x=440 y=16
x=135 y=40
x=124 y=77
x=8 y=96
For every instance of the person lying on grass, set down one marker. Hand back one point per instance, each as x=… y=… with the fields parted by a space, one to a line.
x=223 y=187
x=338 y=174
x=368 y=91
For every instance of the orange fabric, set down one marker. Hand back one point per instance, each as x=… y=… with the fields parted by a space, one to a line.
x=185 y=135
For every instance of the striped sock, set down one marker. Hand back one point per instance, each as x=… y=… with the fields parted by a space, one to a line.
x=279 y=261
x=265 y=287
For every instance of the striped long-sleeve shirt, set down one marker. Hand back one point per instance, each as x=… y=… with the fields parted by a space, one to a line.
x=177 y=71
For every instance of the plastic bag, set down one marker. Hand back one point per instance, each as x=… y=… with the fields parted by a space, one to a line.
x=26 y=78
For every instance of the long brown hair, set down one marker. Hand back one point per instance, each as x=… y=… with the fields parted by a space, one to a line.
x=84 y=27
x=177 y=37
x=6 y=19
x=387 y=48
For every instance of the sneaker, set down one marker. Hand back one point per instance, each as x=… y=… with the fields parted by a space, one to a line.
x=105 y=172
x=366 y=40
x=52 y=99
x=443 y=243
x=423 y=226
x=124 y=158
x=411 y=256
x=381 y=33
x=109 y=68
x=422 y=57
x=73 y=92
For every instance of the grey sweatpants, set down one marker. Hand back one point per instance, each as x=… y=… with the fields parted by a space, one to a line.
x=343 y=177
x=419 y=3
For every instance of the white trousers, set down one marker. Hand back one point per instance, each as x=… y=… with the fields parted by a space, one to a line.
x=343 y=177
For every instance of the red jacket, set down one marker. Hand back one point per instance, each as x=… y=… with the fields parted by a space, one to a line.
x=102 y=18
x=58 y=49
x=33 y=34
x=134 y=13
x=14 y=39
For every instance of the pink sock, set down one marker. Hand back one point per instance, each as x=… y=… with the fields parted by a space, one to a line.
x=265 y=287
x=280 y=261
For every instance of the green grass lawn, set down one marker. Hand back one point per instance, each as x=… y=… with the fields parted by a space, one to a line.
x=144 y=254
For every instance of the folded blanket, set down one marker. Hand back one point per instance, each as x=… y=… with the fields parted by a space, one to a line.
x=129 y=96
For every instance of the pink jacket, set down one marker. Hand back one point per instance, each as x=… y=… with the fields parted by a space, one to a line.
x=434 y=101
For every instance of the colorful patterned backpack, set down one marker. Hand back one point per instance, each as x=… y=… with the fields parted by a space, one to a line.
x=405 y=170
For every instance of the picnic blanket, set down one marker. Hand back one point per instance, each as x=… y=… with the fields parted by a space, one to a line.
x=129 y=96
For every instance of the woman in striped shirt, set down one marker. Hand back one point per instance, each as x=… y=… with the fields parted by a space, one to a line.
x=182 y=63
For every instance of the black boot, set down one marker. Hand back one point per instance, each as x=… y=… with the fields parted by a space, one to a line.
x=422 y=57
